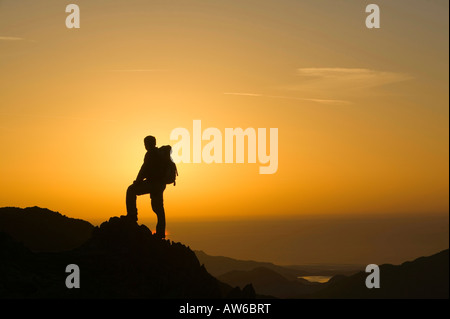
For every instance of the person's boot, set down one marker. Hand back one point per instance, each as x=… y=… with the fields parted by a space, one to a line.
x=160 y=235
x=132 y=217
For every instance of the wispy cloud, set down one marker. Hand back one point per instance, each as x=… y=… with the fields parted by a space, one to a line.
x=350 y=77
x=16 y=39
x=2 y=38
x=333 y=86
x=242 y=94
x=322 y=101
x=58 y=117
x=138 y=70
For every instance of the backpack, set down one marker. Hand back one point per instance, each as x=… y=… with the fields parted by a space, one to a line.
x=170 y=168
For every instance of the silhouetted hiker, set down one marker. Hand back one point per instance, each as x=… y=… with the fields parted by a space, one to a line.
x=150 y=180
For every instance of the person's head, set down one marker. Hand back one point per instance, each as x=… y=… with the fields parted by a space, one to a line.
x=149 y=142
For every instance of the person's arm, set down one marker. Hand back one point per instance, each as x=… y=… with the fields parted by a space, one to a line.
x=141 y=175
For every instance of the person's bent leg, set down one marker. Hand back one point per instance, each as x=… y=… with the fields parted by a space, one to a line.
x=132 y=192
x=131 y=202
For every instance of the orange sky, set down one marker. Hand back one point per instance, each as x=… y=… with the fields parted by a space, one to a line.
x=362 y=114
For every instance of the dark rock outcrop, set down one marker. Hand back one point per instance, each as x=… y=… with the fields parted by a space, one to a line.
x=121 y=260
x=41 y=229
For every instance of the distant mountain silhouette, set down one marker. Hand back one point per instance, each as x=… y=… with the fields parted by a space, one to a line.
x=120 y=260
x=220 y=265
x=40 y=229
x=270 y=283
x=425 y=277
